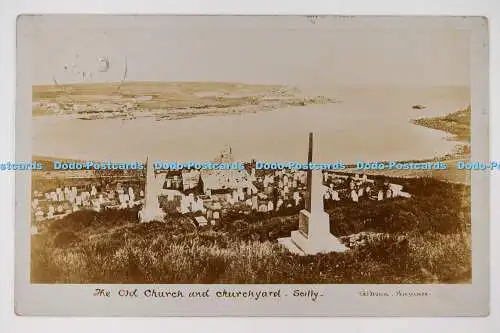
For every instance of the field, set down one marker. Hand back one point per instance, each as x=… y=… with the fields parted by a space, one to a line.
x=423 y=239
x=166 y=100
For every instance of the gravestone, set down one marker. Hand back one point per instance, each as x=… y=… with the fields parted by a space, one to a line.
x=313 y=235
x=335 y=196
x=279 y=204
x=263 y=208
x=151 y=211
x=354 y=196
x=255 y=203
x=380 y=195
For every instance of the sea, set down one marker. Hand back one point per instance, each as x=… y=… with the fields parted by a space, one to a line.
x=366 y=124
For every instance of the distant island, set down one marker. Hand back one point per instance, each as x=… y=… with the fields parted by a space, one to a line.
x=456 y=123
x=165 y=100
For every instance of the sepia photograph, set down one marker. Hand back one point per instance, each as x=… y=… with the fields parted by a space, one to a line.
x=250 y=150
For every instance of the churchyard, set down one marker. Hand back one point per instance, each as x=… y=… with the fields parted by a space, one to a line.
x=206 y=197
x=397 y=230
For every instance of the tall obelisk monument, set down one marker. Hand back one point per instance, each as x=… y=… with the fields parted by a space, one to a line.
x=314 y=234
x=151 y=211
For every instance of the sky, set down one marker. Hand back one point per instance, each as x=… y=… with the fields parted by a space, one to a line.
x=248 y=50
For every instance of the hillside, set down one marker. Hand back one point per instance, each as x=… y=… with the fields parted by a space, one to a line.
x=424 y=239
x=456 y=123
x=164 y=100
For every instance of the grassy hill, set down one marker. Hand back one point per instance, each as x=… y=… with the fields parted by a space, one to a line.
x=457 y=123
x=426 y=240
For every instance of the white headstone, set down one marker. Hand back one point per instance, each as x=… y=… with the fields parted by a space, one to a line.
x=185 y=204
x=255 y=203
x=335 y=196
x=279 y=204
x=199 y=205
x=354 y=196
x=380 y=195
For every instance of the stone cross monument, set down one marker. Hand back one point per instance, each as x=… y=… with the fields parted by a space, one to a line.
x=151 y=211
x=314 y=234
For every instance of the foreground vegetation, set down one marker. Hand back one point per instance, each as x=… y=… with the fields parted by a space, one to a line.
x=427 y=241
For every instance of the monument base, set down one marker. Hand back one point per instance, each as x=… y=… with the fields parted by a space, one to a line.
x=151 y=215
x=313 y=236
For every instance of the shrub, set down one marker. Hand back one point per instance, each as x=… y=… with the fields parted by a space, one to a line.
x=65 y=238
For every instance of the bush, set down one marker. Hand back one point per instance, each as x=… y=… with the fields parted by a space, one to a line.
x=65 y=238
